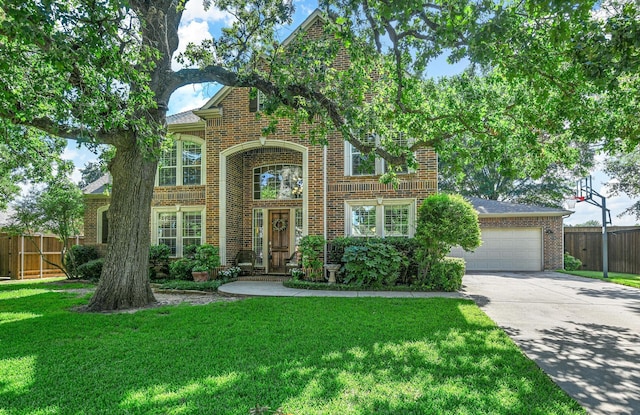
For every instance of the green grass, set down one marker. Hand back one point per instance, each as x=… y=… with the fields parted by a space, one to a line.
x=305 y=355
x=630 y=280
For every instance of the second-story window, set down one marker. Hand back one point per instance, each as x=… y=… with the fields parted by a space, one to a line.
x=181 y=165
x=256 y=100
x=361 y=164
x=276 y=182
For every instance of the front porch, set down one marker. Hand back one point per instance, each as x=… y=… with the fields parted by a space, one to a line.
x=263 y=201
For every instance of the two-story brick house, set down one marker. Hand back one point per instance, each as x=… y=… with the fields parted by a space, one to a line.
x=226 y=184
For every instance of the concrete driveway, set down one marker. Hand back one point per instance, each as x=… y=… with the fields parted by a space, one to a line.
x=584 y=333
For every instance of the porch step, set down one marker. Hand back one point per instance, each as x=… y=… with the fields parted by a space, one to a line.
x=265 y=277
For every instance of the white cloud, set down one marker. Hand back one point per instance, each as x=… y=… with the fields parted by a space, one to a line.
x=191 y=97
x=193 y=32
x=195 y=11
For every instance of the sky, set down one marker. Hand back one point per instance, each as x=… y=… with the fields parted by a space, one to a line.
x=198 y=24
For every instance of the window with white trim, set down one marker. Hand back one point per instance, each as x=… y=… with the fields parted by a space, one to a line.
x=256 y=100
x=360 y=164
x=178 y=228
x=181 y=164
x=102 y=231
x=384 y=217
x=277 y=182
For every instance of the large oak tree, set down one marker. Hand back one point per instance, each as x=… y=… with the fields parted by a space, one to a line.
x=100 y=71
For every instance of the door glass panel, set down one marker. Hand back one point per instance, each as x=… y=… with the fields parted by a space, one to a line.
x=258 y=236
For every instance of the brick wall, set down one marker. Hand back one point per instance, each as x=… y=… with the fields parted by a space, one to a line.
x=552 y=239
x=92 y=204
x=237 y=126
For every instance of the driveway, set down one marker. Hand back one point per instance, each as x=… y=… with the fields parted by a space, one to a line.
x=584 y=333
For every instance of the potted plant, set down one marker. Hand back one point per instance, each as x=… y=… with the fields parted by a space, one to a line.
x=206 y=259
x=230 y=273
x=312 y=248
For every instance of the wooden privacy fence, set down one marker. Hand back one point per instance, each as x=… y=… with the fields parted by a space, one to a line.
x=623 y=244
x=20 y=259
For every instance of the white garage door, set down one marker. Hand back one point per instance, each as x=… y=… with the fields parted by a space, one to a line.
x=505 y=249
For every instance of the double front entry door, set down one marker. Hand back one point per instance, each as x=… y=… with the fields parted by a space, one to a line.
x=279 y=239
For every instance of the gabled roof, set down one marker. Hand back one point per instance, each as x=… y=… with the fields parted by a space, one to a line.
x=224 y=91
x=186 y=117
x=99 y=186
x=494 y=208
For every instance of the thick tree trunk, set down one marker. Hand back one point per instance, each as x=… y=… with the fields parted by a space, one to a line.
x=125 y=276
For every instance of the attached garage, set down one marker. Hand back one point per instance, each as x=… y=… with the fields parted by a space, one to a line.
x=506 y=249
x=516 y=237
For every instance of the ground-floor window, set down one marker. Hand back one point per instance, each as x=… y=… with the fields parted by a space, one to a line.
x=102 y=234
x=380 y=217
x=178 y=227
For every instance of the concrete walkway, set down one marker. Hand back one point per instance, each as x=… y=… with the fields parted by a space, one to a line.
x=276 y=289
x=584 y=333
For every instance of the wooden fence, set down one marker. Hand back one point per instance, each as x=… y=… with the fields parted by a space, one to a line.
x=20 y=259
x=623 y=245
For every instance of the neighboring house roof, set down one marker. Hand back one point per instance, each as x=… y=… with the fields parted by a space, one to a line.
x=494 y=208
x=97 y=187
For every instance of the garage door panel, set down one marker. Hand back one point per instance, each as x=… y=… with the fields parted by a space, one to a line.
x=513 y=249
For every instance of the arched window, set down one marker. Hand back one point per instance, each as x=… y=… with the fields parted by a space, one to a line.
x=277 y=182
x=182 y=163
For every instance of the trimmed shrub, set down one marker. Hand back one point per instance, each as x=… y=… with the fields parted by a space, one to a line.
x=445 y=275
x=571 y=263
x=159 y=261
x=180 y=269
x=91 y=270
x=445 y=221
x=81 y=254
x=372 y=265
x=189 y=251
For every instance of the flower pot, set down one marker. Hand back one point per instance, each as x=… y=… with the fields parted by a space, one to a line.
x=200 y=276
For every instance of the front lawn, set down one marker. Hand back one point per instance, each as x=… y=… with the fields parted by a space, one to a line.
x=305 y=355
x=630 y=280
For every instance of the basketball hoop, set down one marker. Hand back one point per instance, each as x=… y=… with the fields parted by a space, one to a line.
x=571 y=202
x=586 y=193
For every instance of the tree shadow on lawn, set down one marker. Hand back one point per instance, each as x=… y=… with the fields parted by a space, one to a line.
x=307 y=355
x=597 y=364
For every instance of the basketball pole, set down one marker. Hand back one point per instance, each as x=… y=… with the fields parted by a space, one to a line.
x=585 y=193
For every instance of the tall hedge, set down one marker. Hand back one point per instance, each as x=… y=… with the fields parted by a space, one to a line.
x=445 y=221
